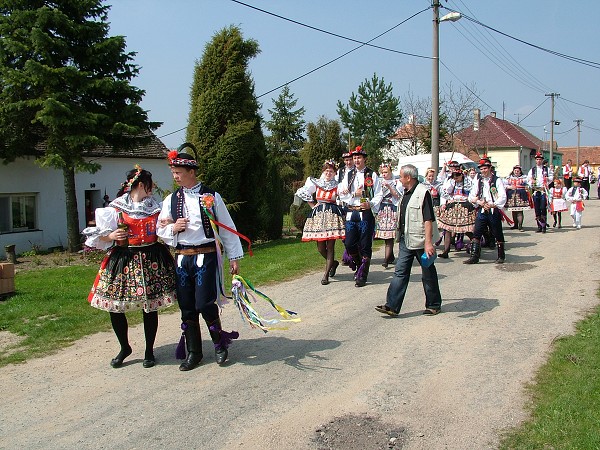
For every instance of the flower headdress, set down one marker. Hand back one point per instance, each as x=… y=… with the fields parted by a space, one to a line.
x=330 y=162
x=385 y=166
x=135 y=177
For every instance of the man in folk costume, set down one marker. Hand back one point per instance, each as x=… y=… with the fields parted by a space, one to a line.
x=185 y=225
x=539 y=177
x=585 y=173
x=347 y=167
x=576 y=195
x=361 y=192
x=567 y=170
x=489 y=196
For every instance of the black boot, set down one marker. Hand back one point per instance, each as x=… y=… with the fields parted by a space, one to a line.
x=221 y=339
x=475 y=253
x=193 y=342
x=501 y=254
x=363 y=272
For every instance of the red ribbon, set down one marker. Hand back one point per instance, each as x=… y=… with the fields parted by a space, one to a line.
x=237 y=233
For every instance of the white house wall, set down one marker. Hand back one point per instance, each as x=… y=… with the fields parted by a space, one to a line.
x=24 y=176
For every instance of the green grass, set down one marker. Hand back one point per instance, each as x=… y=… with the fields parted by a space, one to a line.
x=565 y=409
x=50 y=309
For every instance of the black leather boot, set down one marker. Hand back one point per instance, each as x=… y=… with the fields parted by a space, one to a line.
x=193 y=342
x=501 y=254
x=363 y=272
x=221 y=339
x=475 y=253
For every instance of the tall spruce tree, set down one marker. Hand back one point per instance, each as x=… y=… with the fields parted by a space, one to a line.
x=65 y=89
x=324 y=142
x=224 y=125
x=285 y=142
x=372 y=115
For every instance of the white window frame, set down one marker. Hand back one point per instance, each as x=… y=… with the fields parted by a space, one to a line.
x=8 y=211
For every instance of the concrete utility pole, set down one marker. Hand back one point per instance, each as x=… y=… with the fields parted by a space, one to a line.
x=551 y=160
x=578 y=122
x=435 y=84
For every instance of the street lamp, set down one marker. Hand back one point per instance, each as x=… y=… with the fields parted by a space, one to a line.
x=435 y=85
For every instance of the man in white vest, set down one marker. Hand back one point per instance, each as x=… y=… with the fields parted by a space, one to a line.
x=416 y=232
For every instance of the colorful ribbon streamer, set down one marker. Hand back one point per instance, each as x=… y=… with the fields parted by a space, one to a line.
x=244 y=293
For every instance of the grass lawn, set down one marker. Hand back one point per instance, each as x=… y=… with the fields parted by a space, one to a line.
x=50 y=309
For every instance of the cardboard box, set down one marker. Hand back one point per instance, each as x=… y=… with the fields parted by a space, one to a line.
x=7 y=270
x=7 y=285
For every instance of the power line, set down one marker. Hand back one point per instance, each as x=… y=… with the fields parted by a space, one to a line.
x=585 y=62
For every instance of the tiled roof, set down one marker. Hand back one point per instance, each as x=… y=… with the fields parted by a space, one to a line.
x=592 y=154
x=497 y=133
x=155 y=149
x=409 y=131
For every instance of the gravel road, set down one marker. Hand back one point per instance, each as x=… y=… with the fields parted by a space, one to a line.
x=345 y=377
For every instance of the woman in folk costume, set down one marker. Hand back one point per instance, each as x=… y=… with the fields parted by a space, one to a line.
x=325 y=224
x=455 y=215
x=576 y=195
x=518 y=196
x=138 y=272
x=434 y=187
x=387 y=217
x=558 y=203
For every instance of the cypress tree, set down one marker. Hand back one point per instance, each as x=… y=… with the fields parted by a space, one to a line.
x=324 y=142
x=224 y=125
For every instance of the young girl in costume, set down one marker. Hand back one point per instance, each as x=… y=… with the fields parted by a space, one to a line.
x=387 y=217
x=576 y=195
x=518 y=198
x=138 y=272
x=325 y=224
x=558 y=203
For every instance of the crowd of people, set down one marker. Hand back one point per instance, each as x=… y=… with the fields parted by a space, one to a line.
x=457 y=209
x=355 y=204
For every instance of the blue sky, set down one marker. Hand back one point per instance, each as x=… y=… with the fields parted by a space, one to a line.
x=511 y=77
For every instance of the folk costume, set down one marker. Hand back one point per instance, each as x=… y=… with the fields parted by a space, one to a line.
x=387 y=217
x=360 y=222
x=585 y=174
x=435 y=189
x=456 y=215
x=539 y=178
x=518 y=198
x=199 y=260
x=576 y=195
x=326 y=220
x=325 y=223
x=567 y=171
x=135 y=274
x=490 y=197
x=558 y=204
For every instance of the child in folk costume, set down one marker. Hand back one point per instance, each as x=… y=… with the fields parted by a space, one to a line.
x=325 y=224
x=576 y=195
x=558 y=203
x=518 y=197
x=387 y=217
x=434 y=186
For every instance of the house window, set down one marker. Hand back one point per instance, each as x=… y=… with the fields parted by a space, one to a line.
x=17 y=212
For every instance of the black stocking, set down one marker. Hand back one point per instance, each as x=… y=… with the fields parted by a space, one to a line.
x=150 y=329
x=322 y=248
x=119 y=324
x=447 y=242
x=389 y=251
x=330 y=256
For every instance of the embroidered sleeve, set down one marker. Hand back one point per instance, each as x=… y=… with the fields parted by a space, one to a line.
x=106 y=222
x=306 y=192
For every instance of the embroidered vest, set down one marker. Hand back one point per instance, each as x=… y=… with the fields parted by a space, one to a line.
x=177 y=202
x=492 y=185
x=352 y=174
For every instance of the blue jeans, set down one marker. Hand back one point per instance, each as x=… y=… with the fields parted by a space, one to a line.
x=397 y=289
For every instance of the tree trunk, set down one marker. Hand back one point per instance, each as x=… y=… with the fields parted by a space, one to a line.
x=73 y=237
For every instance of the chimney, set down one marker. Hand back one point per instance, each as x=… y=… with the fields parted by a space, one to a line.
x=493 y=113
x=476 y=119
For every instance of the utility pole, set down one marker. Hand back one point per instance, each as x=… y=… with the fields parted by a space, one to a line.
x=551 y=159
x=435 y=89
x=578 y=122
